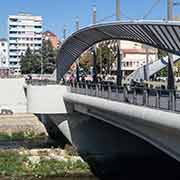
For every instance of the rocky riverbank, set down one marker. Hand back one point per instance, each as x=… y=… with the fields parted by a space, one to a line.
x=22 y=155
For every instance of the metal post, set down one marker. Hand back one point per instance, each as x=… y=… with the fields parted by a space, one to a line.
x=86 y=89
x=97 y=90
x=109 y=91
x=134 y=96
x=117 y=10
x=94 y=65
x=94 y=14
x=157 y=99
x=94 y=48
x=146 y=67
x=119 y=71
x=171 y=82
x=172 y=100
x=170 y=10
x=119 y=57
x=64 y=32
x=77 y=61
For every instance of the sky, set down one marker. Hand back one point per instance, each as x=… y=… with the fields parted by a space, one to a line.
x=57 y=13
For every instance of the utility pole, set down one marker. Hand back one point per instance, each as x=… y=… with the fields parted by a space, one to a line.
x=77 y=61
x=119 y=55
x=64 y=32
x=170 y=10
x=117 y=10
x=94 y=47
x=41 y=58
x=171 y=82
x=94 y=14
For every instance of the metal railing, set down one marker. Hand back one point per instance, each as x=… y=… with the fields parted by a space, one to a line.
x=155 y=98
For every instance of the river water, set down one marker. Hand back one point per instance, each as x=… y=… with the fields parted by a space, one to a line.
x=35 y=144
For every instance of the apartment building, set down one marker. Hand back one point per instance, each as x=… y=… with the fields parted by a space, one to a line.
x=24 y=30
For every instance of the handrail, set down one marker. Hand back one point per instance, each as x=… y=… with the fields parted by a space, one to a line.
x=155 y=98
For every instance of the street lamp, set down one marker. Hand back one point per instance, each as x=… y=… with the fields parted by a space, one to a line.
x=77 y=61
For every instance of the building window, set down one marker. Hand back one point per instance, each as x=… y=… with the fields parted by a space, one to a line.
x=13 y=63
x=38 y=27
x=12 y=38
x=13 y=26
x=13 y=50
x=13 y=20
x=38 y=39
x=13 y=32
x=37 y=45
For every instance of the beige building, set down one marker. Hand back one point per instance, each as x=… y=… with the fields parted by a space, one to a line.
x=53 y=38
x=136 y=55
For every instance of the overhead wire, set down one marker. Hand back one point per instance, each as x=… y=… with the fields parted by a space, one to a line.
x=106 y=18
x=151 y=9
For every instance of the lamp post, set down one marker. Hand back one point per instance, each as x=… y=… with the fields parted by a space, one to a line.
x=171 y=82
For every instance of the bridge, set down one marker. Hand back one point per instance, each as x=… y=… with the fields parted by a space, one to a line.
x=110 y=124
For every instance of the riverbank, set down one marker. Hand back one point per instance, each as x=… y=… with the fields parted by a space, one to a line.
x=25 y=153
x=40 y=163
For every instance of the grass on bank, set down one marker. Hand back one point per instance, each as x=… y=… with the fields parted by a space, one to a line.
x=26 y=135
x=13 y=164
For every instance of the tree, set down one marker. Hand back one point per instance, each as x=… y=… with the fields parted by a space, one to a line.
x=104 y=58
x=26 y=62
x=177 y=65
x=164 y=71
x=49 y=56
x=32 y=62
x=86 y=61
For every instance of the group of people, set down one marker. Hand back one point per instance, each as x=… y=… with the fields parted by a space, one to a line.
x=86 y=78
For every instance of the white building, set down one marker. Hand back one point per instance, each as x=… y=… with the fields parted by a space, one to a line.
x=25 y=30
x=4 y=63
x=135 y=55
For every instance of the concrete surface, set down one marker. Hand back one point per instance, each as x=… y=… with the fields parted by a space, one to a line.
x=21 y=122
x=12 y=95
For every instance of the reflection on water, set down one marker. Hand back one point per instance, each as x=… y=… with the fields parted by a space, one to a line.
x=41 y=143
x=52 y=178
x=72 y=178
